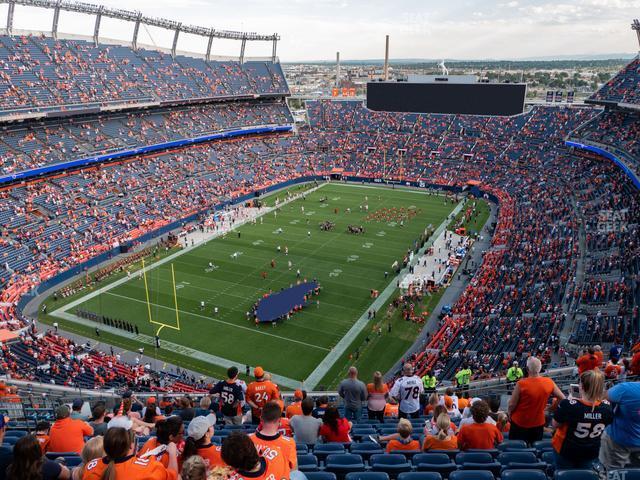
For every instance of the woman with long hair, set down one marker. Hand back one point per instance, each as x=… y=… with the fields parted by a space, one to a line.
x=198 y=442
x=167 y=431
x=120 y=463
x=377 y=394
x=443 y=438
x=579 y=423
x=94 y=448
x=29 y=463
x=334 y=428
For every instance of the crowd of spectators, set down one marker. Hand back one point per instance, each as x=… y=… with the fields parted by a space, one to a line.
x=623 y=87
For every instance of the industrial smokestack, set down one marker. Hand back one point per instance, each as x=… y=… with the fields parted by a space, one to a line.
x=386 y=60
x=338 y=69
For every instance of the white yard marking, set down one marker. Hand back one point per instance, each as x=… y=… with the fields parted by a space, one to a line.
x=257 y=243
x=367 y=245
x=352 y=258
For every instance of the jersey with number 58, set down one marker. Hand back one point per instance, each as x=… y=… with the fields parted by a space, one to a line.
x=580 y=426
x=407 y=390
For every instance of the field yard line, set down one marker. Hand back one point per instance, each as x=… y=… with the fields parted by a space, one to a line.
x=219 y=321
x=181 y=349
x=341 y=347
x=177 y=254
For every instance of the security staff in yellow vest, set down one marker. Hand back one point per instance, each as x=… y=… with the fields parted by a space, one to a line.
x=429 y=382
x=514 y=373
x=463 y=377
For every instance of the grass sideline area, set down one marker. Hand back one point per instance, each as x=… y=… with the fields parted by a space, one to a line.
x=347 y=266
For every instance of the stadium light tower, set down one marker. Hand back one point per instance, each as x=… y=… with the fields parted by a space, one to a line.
x=636 y=26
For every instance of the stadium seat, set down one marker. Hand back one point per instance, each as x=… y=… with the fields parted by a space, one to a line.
x=434 y=462
x=523 y=475
x=543 y=446
x=10 y=440
x=321 y=450
x=494 y=452
x=471 y=475
x=15 y=433
x=367 y=476
x=343 y=463
x=320 y=475
x=575 y=475
x=517 y=460
x=408 y=454
x=366 y=449
x=512 y=445
x=302 y=448
x=307 y=462
x=420 y=476
x=216 y=440
x=452 y=454
x=629 y=474
x=393 y=464
x=478 y=461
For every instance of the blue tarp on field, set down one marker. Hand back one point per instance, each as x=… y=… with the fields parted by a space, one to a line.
x=277 y=305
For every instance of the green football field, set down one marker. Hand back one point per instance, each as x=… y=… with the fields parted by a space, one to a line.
x=347 y=267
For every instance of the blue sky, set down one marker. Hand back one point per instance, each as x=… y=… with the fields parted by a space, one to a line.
x=315 y=30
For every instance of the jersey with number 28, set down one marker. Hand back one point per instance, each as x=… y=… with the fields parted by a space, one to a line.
x=408 y=390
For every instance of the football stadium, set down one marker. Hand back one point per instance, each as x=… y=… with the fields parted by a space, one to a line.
x=207 y=274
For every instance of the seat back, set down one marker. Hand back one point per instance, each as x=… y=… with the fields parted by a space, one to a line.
x=320 y=475
x=517 y=457
x=512 y=445
x=473 y=457
x=575 y=475
x=419 y=476
x=523 y=475
x=431 y=458
x=471 y=475
x=388 y=459
x=367 y=476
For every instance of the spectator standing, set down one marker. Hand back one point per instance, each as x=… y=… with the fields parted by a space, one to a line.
x=295 y=408
x=98 y=419
x=588 y=361
x=270 y=442
x=528 y=402
x=463 y=377
x=480 y=434
x=76 y=410
x=239 y=453
x=231 y=397
x=620 y=445
x=306 y=427
x=354 y=393
x=579 y=423
x=29 y=463
x=407 y=391
x=377 y=394
x=334 y=428
x=259 y=393
x=67 y=434
x=514 y=373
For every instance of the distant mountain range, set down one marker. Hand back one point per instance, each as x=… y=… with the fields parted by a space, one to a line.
x=405 y=61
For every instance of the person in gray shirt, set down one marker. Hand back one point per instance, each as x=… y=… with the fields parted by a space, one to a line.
x=354 y=393
x=305 y=427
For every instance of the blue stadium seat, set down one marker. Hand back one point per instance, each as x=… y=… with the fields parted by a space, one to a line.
x=471 y=475
x=629 y=473
x=523 y=475
x=73 y=461
x=478 y=461
x=408 y=454
x=452 y=454
x=320 y=476
x=494 y=452
x=434 y=462
x=366 y=449
x=15 y=433
x=321 y=450
x=302 y=448
x=343 y=463
x=216 y=440
x=54 y=455
x=575 y=475
x=10 y=441
x=543 y=446
x=367 y=476
x=518 y=460
x=393 y=464
x=512 y=445
x=420 y=476
x=307 y=462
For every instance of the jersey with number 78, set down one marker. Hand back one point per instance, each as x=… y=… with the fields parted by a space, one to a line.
x=407 y=391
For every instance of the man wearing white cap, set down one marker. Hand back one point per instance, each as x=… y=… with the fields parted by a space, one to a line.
x=198 y=442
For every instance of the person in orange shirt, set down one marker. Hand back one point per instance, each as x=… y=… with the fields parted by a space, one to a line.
x=463 y=401
x=391 y=409
x=239 y=452
x=480 y=434
x=67 y=434
x=443 y=440
x=199 y=443
x=120 y=463
x=296 y=407
x=402 y=439
x=270 y=442
x=168 y=431
x=377 y=395
x=528 y=402
x=612 y=370
x=42 y=434
x=259 y=393
x=588 y=361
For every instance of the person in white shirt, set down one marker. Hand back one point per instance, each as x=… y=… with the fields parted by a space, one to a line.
x=407 y=390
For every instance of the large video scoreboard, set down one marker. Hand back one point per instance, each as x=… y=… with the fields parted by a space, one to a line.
x=447 y=97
